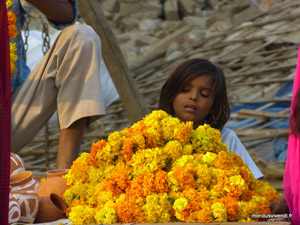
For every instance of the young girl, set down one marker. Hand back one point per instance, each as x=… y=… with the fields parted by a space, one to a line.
x=196 y=91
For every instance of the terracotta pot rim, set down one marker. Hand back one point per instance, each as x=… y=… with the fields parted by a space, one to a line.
x=56 y=172
x=23 y=176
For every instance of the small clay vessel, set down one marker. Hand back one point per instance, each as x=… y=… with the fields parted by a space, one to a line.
x=54 y=183
x=51 y=208
x=23 y=181
x=29 y=205
x=16 y=164
x=14 y=211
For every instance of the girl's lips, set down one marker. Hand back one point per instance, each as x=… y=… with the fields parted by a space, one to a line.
x=190 y=108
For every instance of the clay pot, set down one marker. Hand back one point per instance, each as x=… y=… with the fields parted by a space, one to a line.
x=14 y=211
x=51 y=208
x=16 y=164
x=23 y=181
x=56 y=173
x=55 y=183
x=29 y=205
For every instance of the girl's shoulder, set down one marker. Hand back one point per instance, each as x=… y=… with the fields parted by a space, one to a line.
x=227 y=132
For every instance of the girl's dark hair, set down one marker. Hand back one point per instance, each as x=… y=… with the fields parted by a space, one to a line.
x=295 y=118
x=184 y=74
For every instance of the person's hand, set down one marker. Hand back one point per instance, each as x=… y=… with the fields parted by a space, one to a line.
x=279 y=206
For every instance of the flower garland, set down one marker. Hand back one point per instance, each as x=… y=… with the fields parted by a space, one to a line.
x=162 y=170
x=12 y=19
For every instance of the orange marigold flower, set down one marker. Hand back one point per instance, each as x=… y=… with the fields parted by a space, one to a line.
x=186 y=179
x=135 y=188
x=148 y=184
x=12 y=30
x=160 y=182
x=12 y=67
x=112 y=186
x=96 y=147
x=231 y=204
x=223 y=161
x=201 y=216
x=122 y=179
x=183 y=132
x=11 y=17
x=129 y=213
x=127 y=151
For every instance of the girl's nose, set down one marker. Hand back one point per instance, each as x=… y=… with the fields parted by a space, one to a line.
x=193 y=96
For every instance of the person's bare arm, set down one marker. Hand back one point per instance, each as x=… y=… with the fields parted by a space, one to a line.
x=60 y=11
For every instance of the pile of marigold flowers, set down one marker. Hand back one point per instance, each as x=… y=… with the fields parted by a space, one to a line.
x=162 y=170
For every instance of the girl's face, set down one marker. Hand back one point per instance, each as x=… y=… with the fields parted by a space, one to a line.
x=194 y=102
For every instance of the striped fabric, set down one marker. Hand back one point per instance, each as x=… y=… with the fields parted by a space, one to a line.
x=5 y=106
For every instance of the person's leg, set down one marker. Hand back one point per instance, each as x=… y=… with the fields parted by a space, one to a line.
x=67 y=79
x=69 y=143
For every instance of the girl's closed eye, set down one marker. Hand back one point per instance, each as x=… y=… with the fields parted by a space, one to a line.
x=205 y=93
x=185 y=90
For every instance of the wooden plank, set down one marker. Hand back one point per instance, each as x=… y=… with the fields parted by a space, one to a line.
x=261 y=132
x=130 y=96
x=261 y=71
x=160 y=48
x=262 y=114
x=267 y=81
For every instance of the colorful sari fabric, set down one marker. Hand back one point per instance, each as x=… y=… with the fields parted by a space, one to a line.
x=5 y=93
x=291 y=179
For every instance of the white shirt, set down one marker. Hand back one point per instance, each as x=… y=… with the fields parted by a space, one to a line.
x=235 y=145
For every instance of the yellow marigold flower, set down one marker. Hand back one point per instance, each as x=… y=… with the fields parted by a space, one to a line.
x=79 y=170
x=169 y=125
x=235 y=186
x=219 y=212
x=8 y=4
x=172 y=150
x=43 y=179
x=148 y=160
x=217 y=191
x=82 y=214
x=209 y=158
x=183 y=161
x=203 y=176
x=107 y=214
x=187 y=149
x=95 y=175
x=265 y=189
x=180 y=204
x=116 y=139
x=206 y=138
x=157 y=208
